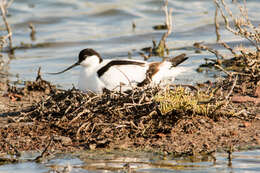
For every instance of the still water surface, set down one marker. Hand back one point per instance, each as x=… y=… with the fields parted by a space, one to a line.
x=248 y=161
x=65 y=27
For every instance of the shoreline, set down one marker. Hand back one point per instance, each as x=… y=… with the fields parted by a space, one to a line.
x=71 y=121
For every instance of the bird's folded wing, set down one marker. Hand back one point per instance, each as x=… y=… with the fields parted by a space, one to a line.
x=123 y=75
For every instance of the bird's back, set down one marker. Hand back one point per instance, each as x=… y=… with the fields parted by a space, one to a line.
x=124 y=76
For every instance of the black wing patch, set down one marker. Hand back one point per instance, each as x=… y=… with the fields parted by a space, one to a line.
x=178 y=59
x=101 y=71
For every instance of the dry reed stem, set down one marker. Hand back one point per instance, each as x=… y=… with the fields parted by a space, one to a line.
x=33 y=31
x=168 y=22
x=222 y=69
x=232 y=88
x=37 y=159
x=217 y=25
x=3 y=7
x=229 y=48
x=242 y=25
x=203 y=47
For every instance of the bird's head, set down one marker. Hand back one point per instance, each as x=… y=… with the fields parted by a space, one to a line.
x=87 y=58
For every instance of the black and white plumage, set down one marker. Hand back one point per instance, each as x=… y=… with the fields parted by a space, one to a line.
x=97 y=74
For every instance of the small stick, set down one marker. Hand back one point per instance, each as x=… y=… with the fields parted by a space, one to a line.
x=79 y=115
x=39 y=77
x=232 y=88
x=239 y=29
x=168 y=22
x=221 y=68
x=229 y=48
x=81 y=127
x=9 y=3
x=3 y=7
x=229 y=151
x=203 y=47
x=217 y=25
x=37 y=159
x=33 y=31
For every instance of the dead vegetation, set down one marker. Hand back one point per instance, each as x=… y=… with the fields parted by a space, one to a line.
x=145 y=118
x=4 y=4
x=160 y=48
x=245 y=61
x=243 y=69
x=171 y=120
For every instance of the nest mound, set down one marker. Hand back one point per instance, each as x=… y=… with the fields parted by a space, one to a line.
x=171 y=120
x=177 y=120
x=100 y=120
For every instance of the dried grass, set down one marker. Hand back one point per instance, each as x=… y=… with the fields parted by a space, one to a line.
x=189 y=103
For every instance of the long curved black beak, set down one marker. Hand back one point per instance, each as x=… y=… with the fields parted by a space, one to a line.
x=70 y=67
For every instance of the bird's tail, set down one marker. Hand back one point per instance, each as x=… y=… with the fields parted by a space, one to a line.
x=178 y=59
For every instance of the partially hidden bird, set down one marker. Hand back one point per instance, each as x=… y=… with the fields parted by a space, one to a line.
x=98 y=74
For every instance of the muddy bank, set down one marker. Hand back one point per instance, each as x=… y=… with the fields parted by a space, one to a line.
x=39 y=114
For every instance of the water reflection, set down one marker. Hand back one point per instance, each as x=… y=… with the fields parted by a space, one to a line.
x=247 y=161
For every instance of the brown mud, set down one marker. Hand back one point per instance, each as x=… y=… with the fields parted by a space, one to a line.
x=38 y=114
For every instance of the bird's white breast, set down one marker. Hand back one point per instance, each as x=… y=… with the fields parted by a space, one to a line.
x=89 y=81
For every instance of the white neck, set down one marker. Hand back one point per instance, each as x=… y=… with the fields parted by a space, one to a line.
x=90 y=62
x=89 y=81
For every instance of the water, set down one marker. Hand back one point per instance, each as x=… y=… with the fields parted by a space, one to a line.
x=65 y=27
x=248 y=161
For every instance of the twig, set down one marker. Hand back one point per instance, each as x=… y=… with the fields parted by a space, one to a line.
x=221 y=68
x=33 y=31
x=168 y=21
x=217 y=25
x=241 y=24
x=229 y=151
x=244 y=12
x=39 y=77
x=229 y=48
x=81 y=127
x=37 y=159
x=243 y=111
x=3 y=7
x=79 y=115
x=9 y=3
x=232 y=88
x=203 y=47
x=144 y=56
